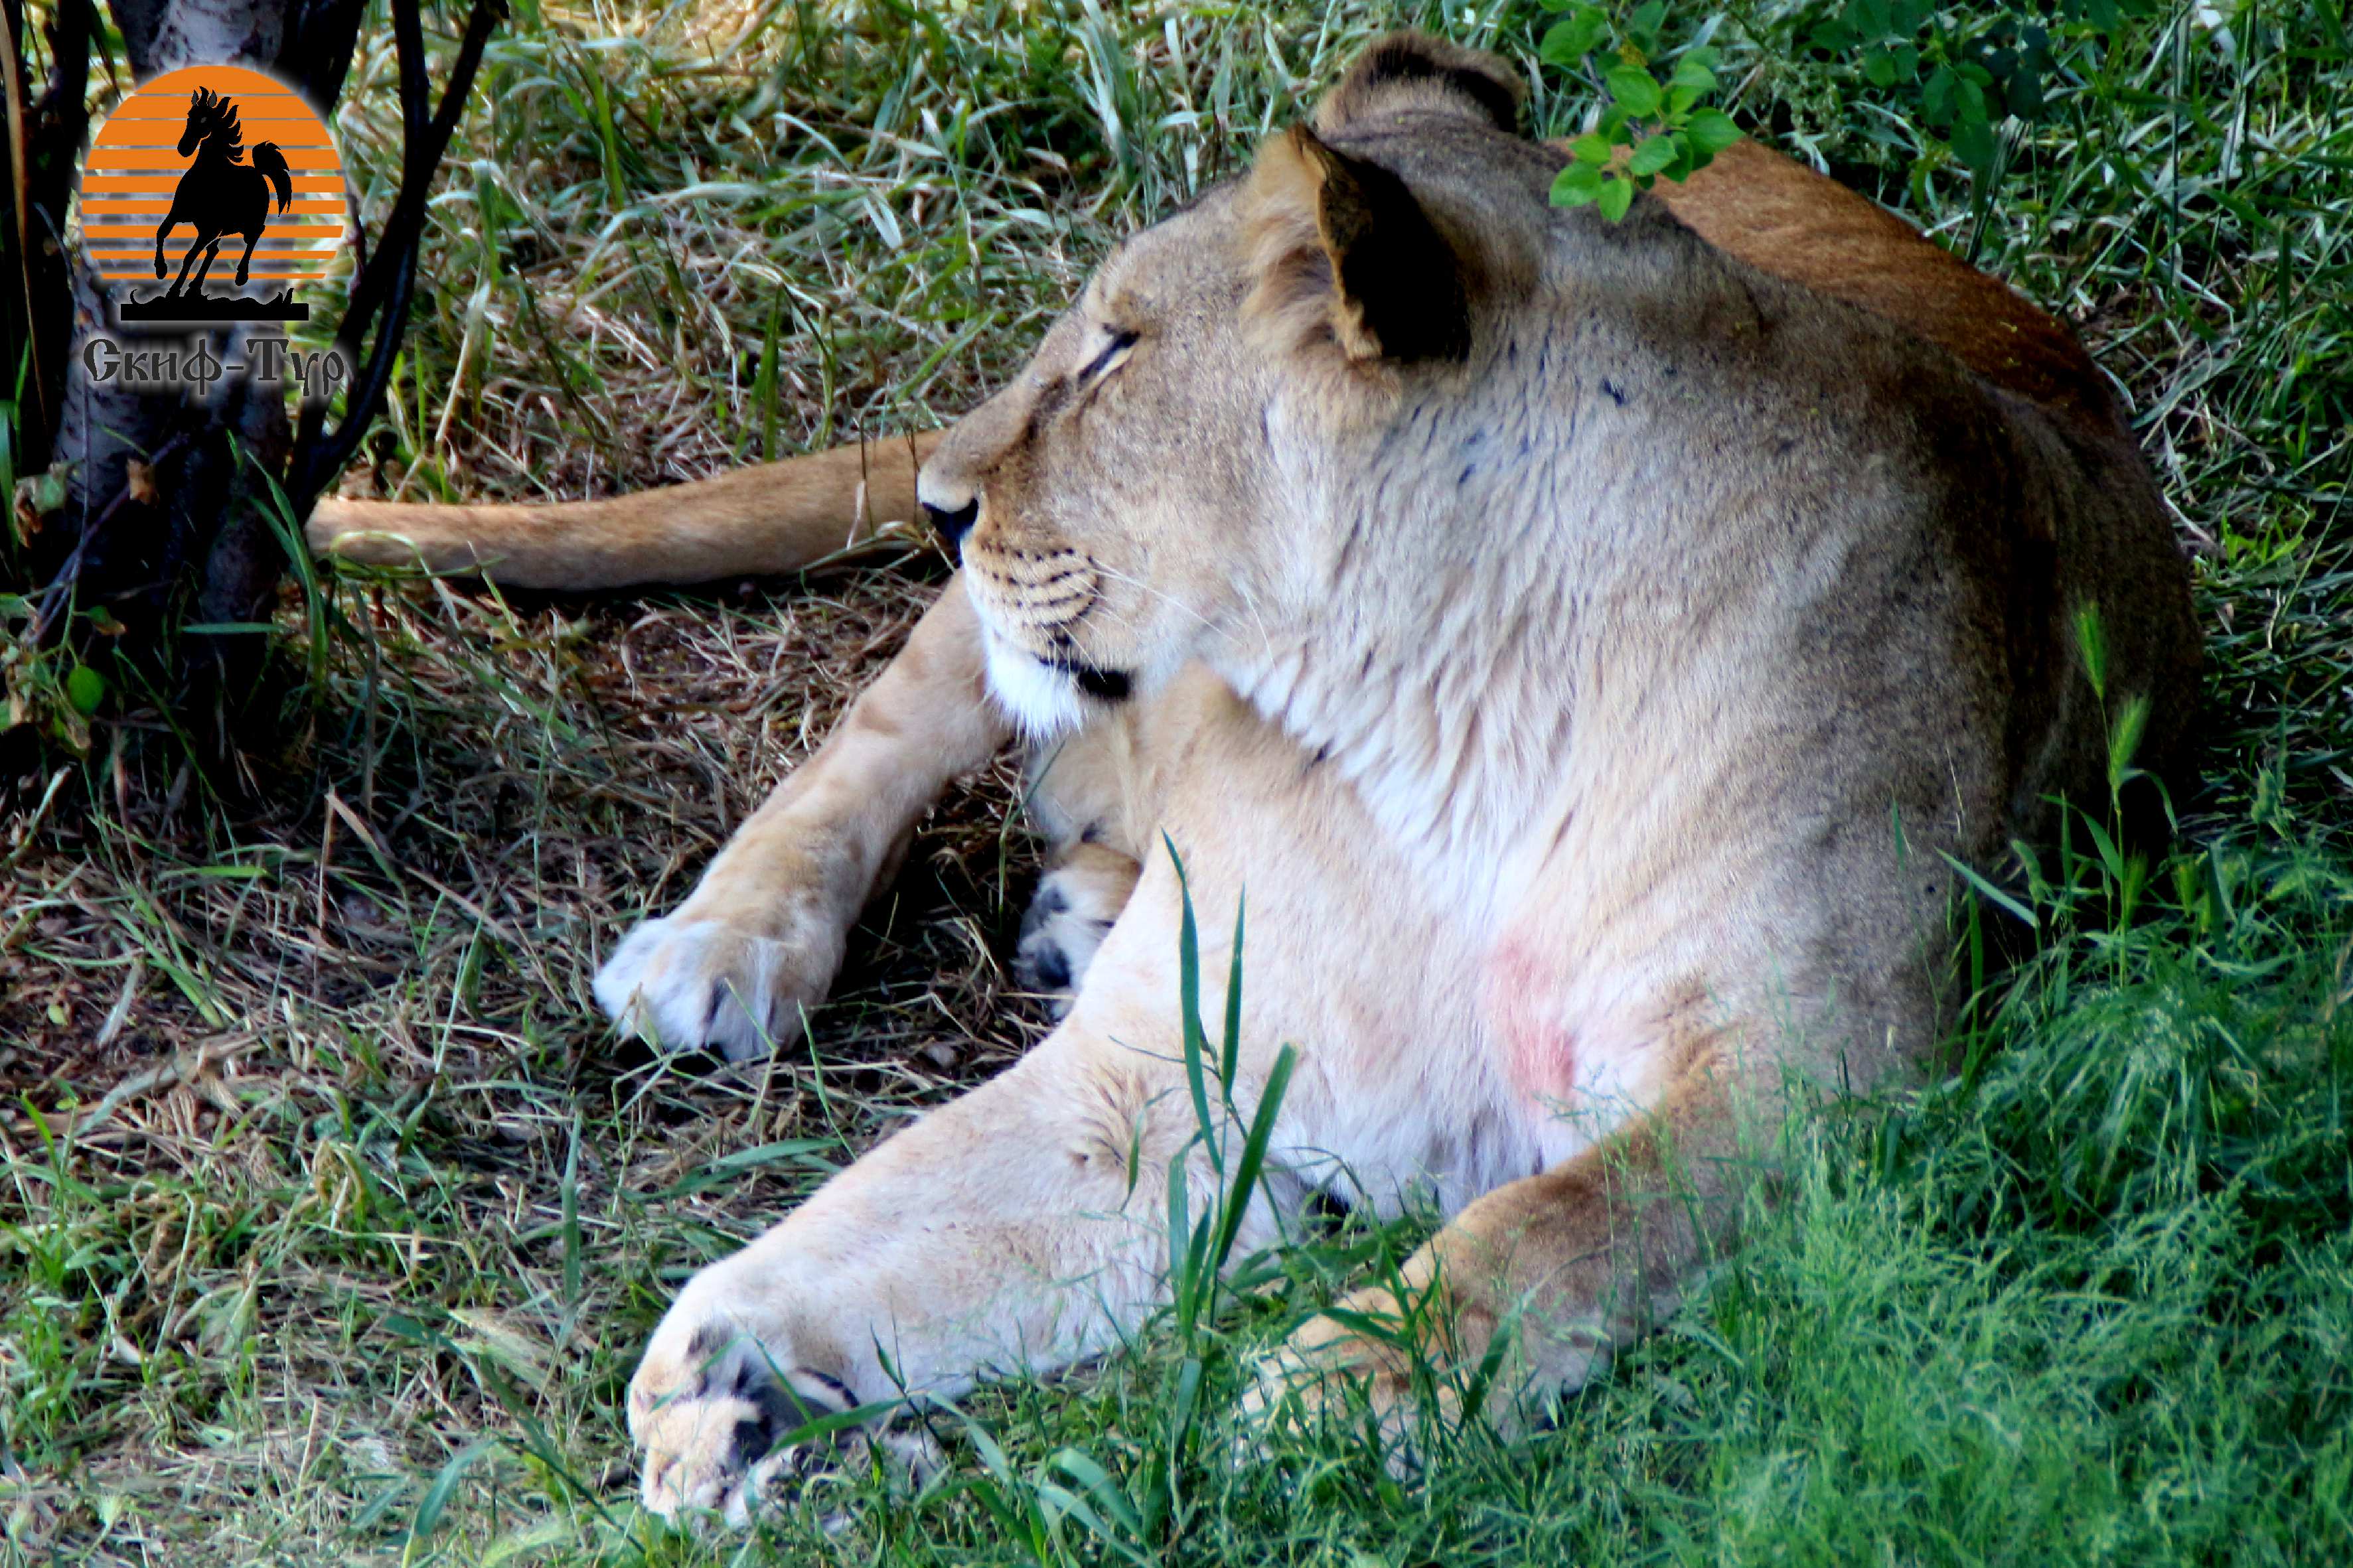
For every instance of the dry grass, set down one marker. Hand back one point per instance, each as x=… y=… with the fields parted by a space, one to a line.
x=327 y=1055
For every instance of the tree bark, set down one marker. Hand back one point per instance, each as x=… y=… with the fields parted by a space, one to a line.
x=166 y=524
x=55 y=127
x=189 y=541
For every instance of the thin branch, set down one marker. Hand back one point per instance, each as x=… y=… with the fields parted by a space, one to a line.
x=69 y=571
x=382 y=294
x=21 y=181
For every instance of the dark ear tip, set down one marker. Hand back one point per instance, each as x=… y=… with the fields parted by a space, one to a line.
x=1315 y=148
x=1412 y=69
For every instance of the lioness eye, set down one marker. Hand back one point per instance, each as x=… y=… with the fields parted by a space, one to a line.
x=1119 y=344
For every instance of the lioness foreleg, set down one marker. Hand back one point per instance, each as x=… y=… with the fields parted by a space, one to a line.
x=1020 y=1227
x=1025 y=1225
x=763 y=930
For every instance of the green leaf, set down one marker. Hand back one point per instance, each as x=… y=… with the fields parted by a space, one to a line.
x=1568 y=41
x=2111 y=857
x=1973 y=143
x=1691 y=72
x=430 y=1508
x=1615 y=198
x=1253 y=1156
x=1936 y=95
x=1643 y=25
x=1189 y=1002
x=1992 y=894
x=1711 y=131
x=85 y=688
x=1229 y=1059
x=1591 y=148
x=2025 y=93
x=1636 y=90
x=1652 y=157
x=1576 y=185
x=1082 y=1467
x=1879 y=68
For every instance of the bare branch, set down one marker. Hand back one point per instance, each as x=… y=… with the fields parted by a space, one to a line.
x=381 y=296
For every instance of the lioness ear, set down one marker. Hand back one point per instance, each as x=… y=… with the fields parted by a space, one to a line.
x=1412 y=71
x=1341 y=252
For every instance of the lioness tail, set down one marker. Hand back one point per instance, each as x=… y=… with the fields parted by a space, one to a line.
x=771 y=518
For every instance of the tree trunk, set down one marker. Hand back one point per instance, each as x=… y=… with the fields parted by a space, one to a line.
x=55 y=126
x=185 y=540
x=165 y=521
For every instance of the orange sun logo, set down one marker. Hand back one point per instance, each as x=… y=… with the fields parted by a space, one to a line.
x=218 y=189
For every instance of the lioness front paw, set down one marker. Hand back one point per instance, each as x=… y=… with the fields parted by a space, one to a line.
x=711 y=1406
x=1057 y=942
x=1068 y=918
x=694 y=984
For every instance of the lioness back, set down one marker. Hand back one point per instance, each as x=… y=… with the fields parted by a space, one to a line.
x=1805 y=228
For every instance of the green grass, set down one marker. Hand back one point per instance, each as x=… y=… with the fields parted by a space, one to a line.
x=357 y=1263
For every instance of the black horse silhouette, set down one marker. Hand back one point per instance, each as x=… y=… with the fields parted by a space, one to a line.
x=218 y=195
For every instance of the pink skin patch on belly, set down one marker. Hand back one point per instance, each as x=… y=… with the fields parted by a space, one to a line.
x=1524 y=1002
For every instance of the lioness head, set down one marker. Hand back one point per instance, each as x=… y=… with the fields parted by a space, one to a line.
x=1132 y=500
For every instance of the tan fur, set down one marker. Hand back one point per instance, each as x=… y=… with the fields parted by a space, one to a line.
x=1790 y=222
x=775 y=517
x=1587 y=692
x=759 y=939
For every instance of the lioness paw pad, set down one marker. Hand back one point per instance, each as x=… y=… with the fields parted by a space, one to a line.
x=712 y=1425
x=704 y=984
x=1063 y=927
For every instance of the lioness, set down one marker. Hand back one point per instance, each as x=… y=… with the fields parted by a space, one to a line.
x=1592 y=645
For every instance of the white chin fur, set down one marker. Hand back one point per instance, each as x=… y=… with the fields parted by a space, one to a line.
x=1044 y=702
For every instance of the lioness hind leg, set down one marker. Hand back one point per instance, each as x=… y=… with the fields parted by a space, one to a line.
x=760 y=938
x=1570 y=1263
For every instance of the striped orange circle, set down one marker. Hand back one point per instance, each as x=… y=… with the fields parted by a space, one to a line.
x=135 y=166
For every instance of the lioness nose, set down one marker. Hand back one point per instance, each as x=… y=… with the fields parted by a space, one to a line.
x=952 y=525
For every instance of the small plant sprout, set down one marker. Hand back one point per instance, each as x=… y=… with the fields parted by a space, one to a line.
x=1661 y=119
